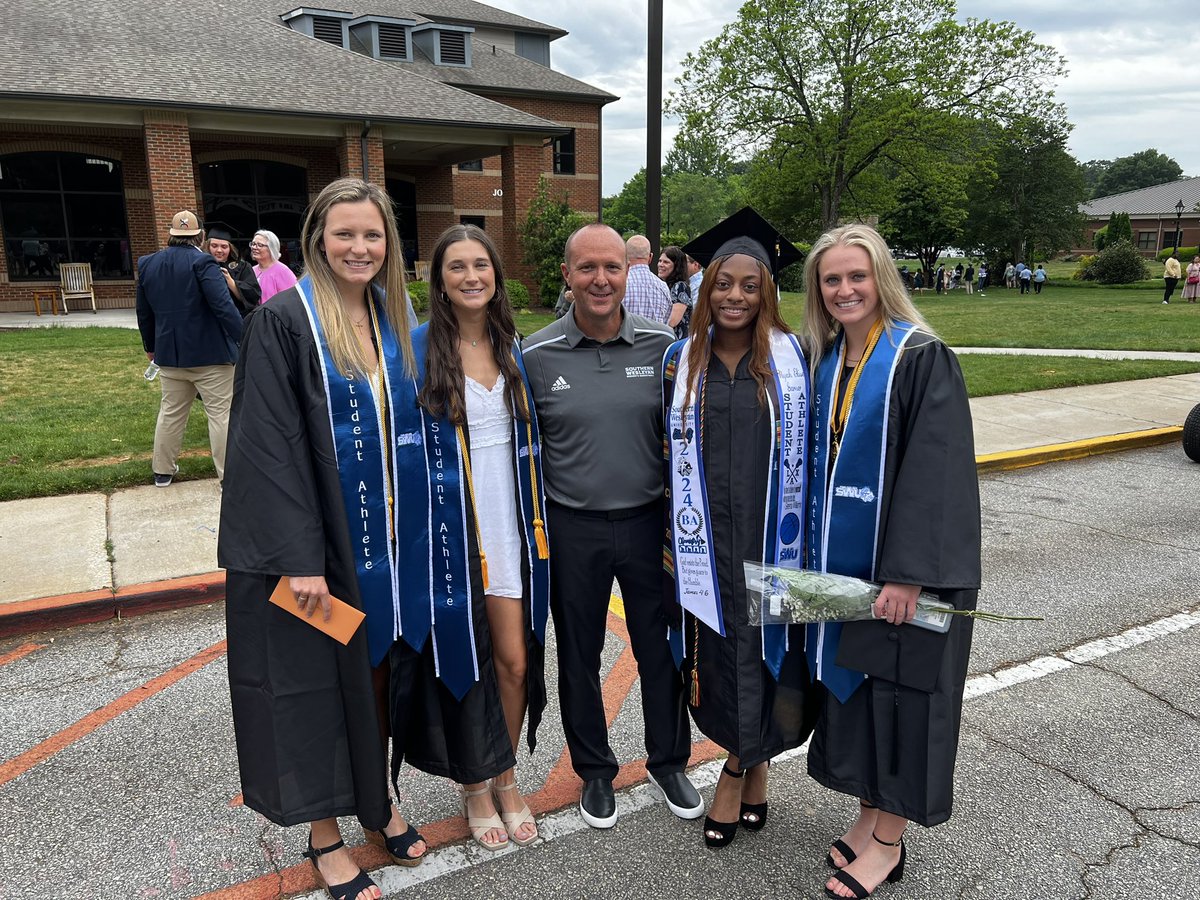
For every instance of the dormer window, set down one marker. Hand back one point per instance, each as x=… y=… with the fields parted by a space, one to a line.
x=445 y=45
x=328 y=25
x=382 y=37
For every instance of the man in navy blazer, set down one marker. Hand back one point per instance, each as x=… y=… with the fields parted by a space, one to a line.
x=191 y=329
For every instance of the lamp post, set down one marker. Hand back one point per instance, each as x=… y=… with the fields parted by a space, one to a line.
x=1178 y=216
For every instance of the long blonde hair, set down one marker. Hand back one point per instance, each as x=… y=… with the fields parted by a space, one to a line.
x=820 y=329
x=339 y=332
x=769 y=316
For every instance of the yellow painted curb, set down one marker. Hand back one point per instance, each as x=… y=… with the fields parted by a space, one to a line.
x=1036 y=456
x=616 y=606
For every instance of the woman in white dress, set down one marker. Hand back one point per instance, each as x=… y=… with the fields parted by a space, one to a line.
x=475 y=405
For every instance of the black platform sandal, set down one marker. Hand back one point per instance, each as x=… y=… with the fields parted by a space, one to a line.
x=397 y=847
x=860 y=892
x=725 y=831
x=347 y=891
x=843 y=848
x=754 y=815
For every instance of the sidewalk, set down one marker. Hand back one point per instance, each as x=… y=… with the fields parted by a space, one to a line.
x=82 y=558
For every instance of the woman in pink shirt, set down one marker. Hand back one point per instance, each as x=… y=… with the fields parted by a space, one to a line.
x=273 y=276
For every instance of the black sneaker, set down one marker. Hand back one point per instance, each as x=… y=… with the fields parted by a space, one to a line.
x=597 y=804
x=165 y=480
x=682 y=797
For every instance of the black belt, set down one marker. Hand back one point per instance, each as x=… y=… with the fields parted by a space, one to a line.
x=612 y=515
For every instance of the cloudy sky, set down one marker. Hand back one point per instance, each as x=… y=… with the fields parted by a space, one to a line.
x=1133 y=82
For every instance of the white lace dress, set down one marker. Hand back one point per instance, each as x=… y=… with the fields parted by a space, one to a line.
x=491 y=430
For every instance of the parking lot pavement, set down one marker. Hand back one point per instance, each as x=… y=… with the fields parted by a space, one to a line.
x=1077 y=774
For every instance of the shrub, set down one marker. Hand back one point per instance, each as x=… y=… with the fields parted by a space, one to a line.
x=518 y=294
x=418 y=292
x=1100 y=237
x=544 y=233
x=1185 y=254
x=1085 y=271
x=1119 y=263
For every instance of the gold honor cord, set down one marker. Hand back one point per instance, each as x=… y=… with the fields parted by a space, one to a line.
x=842 y=414
x=539 y=525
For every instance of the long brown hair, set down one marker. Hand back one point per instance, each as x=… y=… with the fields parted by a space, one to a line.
x=769 y=317
x=339 y=333
x=442 y=392
x=678 y=264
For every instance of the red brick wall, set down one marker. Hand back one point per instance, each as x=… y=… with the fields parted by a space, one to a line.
x=435 y=207
x=169 y=162
x=349 y=154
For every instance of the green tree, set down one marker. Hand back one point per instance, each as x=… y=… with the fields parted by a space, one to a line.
x=544 y=233
x=1093 y=171
x=1139 y=170
x=626 y=211
x=830 y=89
x=1025 y=200
x=926 y=219
x=1119 y=229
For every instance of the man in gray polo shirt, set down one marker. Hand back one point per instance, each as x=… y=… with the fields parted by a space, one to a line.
x=596 y=375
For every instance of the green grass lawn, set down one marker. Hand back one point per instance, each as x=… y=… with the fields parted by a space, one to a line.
x=76 y=414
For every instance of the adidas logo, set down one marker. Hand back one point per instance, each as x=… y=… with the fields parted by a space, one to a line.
x=560 y=384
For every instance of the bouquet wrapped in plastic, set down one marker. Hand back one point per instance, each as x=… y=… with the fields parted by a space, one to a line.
x=781 y=596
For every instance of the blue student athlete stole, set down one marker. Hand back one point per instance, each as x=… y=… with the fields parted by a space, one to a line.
x=437 y=597
x=844 y=504
x=692 y=556
x=364 y=469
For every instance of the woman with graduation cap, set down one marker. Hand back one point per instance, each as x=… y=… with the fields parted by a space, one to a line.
x=239 y=274
x=736 y=409
x=894 y=498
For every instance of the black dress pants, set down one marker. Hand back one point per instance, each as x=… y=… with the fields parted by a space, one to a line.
x=589 y=550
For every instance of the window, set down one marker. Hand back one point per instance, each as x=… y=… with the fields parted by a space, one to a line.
x=393 y=40
x=63 y=207
x=564 y=154
x=1146 y=240
x=471 y=165
x=246 y=195
x=327 y=29
x=452 y=48
x=1171 y=239
x=477 y=221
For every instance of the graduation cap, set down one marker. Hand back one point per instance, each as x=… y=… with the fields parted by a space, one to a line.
x=219 y=231
x=748 y=233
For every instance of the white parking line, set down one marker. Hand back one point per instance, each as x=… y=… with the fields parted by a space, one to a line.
x=565 y=822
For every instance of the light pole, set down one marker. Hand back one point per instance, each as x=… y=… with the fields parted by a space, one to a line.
x=654 y=51
x=1178 y=216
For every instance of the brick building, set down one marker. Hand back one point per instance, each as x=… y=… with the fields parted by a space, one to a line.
x=1152 y=215
x=115 y=116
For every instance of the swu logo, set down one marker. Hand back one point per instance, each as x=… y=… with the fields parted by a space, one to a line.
x=865 y=494
x=788 y=553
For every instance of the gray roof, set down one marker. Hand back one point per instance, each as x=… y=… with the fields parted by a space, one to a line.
x=496 y=70
x=468 y=12
x=1158 y=200
x=221 y=55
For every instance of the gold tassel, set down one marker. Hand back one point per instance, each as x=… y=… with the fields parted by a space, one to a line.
x=694 y=693
x=539 y=537
x=483 y=566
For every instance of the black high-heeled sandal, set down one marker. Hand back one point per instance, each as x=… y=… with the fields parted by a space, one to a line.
x=397 y=846
x=860 y=892
x=753 y=816
x=725 y=831
x=347 y=890
x=843 y=848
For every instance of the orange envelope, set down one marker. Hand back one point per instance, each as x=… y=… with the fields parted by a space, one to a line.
x=343 y=621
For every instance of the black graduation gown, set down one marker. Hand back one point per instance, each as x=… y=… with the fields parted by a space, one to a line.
x=742 y=707
x=894 y=742
x=247 y=282
x=464 y=740
x=304 y=715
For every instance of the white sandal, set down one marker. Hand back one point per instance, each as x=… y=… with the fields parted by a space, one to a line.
x=514 y=820
x=481 y=825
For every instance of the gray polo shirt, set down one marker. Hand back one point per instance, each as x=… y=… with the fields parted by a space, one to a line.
x=599 y=407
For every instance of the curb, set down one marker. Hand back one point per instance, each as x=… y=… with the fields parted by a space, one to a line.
x=65 y=610
x=1036 y=456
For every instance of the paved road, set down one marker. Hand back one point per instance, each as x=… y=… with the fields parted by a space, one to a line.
x=1078 y=772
